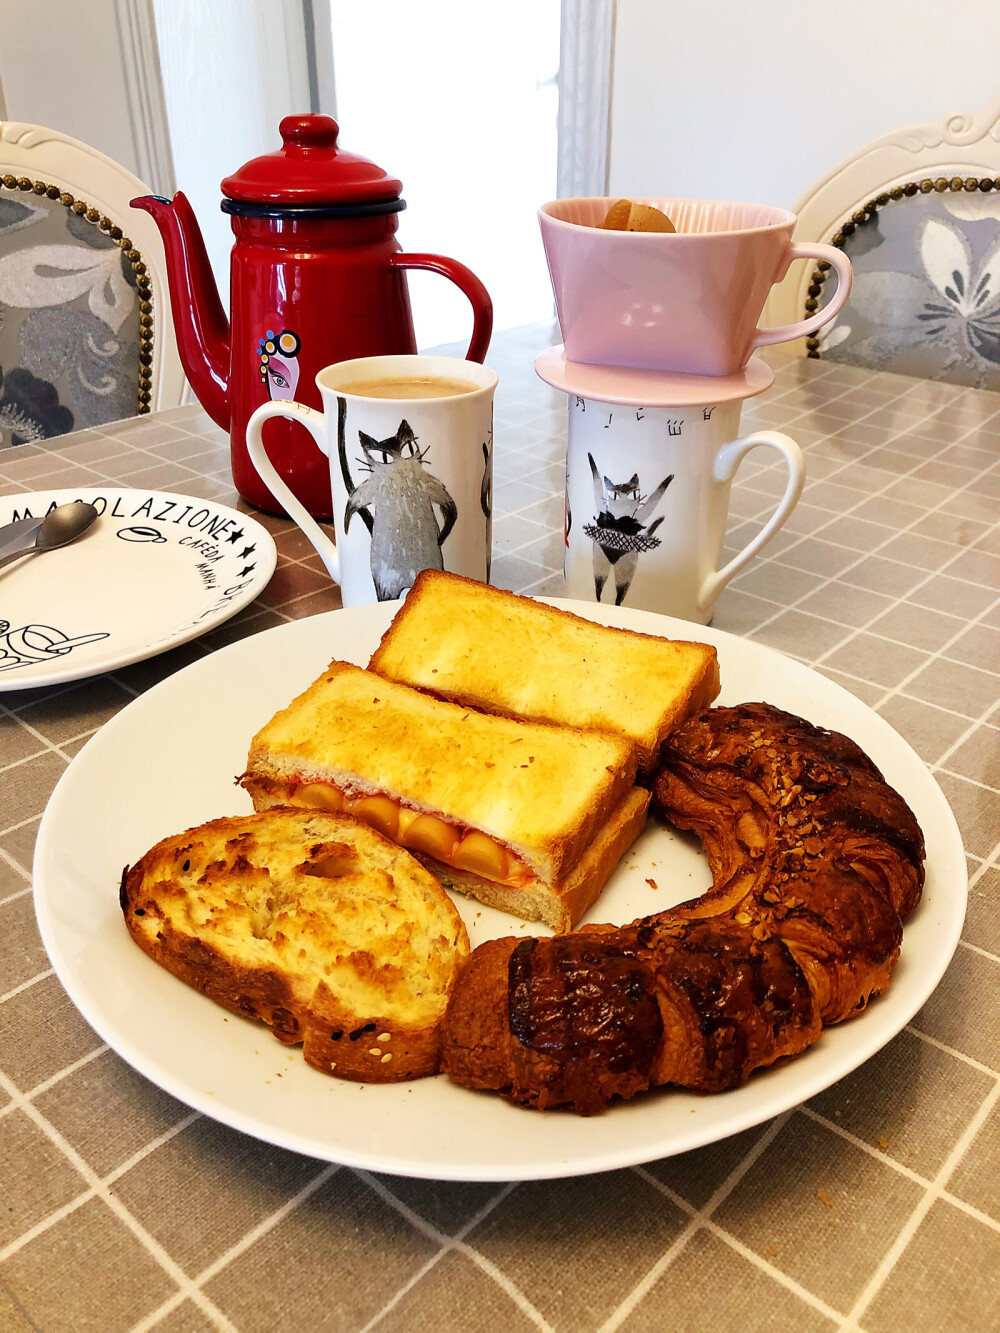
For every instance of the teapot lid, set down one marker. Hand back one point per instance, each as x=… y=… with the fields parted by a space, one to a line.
x=309 y=170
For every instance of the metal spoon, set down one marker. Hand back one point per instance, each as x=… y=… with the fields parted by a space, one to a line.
x=61 y=526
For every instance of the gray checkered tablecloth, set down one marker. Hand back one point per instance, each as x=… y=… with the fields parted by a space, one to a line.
x=875 y=1206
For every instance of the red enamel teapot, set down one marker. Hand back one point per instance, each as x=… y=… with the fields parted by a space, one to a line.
x=317 y=276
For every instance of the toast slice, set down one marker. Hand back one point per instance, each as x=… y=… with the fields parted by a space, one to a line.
x=312 y=923
x=528 y=817
x=501 y=653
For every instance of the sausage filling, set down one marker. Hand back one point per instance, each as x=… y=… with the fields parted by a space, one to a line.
x=462 y=848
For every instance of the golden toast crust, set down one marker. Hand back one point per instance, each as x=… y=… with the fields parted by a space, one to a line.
x=501 y=653
x=560 y=905
x=311 y=923
x=545 y=791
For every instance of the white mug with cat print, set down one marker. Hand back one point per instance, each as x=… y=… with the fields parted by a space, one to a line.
x=410 y=444
x=647 y=499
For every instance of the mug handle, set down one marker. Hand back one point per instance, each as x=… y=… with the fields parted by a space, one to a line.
x=467 y=282
x=727 y=460
x=315 y=423
x=839 y=262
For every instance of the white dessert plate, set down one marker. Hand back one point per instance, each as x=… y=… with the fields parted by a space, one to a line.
x=155 y=570
x=167 y=762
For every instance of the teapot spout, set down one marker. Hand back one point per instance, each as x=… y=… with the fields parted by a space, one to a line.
x=203 y=337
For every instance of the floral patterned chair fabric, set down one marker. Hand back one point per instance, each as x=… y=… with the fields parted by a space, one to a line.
x=918 y=214
x=69 y=322
x=86 y=333
x=926 y=295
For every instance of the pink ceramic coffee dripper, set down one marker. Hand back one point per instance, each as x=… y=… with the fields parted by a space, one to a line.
x=686 y=301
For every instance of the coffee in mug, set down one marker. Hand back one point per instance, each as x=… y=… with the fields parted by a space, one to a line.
x=411 y=386
x=410 y=444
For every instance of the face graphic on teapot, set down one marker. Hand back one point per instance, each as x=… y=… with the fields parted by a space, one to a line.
x=279 y=367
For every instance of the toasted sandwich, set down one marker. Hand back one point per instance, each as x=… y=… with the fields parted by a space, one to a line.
x=312 y=923
x=501 y=653
x=527 y=817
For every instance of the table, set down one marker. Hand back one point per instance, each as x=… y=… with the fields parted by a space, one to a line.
x=875 y=1206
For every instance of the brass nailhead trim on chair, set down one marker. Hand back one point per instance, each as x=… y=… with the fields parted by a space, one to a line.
x=142 y=283
x=865 y=214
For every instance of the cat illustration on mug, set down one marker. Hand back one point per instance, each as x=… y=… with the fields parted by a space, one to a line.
x=397 y=503
x=619 y=530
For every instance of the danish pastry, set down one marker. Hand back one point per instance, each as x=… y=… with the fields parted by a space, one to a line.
x=816 y=862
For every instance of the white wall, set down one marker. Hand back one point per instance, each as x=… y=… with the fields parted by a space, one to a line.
x=729 y=99
x=89 y=70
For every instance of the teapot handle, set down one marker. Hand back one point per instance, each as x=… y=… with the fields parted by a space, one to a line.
x=466 y=280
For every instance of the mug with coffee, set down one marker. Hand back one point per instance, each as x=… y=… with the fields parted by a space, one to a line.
x=687 y=300
x=647 y=498
x=410 y=444
x=407 y=386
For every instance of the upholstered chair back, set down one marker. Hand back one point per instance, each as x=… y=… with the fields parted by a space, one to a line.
x=926 y=295
x=70 y=331
x=918 y=214
x=86 y=332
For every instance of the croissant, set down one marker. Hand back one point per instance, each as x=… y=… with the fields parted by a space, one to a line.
x=816 y=861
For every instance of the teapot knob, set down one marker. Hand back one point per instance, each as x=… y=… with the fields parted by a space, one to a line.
x=309 y=132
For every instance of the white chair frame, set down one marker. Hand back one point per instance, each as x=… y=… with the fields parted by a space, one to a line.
x=959 y=146
x=74 y=168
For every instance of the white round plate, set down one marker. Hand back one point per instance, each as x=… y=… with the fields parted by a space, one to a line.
x=167 y=762
x=155 y=570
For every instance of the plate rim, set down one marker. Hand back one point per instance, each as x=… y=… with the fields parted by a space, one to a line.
x=172 y=639
x=811 y=1078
